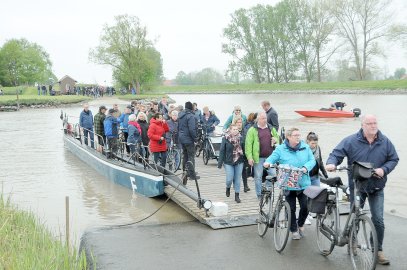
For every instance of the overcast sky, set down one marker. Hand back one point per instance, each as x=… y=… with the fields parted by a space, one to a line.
x=188 y=33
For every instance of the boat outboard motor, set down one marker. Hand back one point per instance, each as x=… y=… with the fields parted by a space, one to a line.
x=356 y=112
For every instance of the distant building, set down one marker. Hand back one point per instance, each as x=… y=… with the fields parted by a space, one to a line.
x=66 y=85
x=169 y=83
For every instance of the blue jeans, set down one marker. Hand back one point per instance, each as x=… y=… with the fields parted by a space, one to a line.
x=315 y=180
x=258 y=175
x=376 y=203
x=233 y=174
x=162 y=156
x=89 y=132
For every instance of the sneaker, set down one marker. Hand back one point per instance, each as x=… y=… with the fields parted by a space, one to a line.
x=310 y=217
x=381 y=258
x=296 y=236
x=307 y=221
x=301 y=231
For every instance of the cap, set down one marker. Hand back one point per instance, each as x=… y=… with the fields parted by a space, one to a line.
x=129 y=107
x=111 y=111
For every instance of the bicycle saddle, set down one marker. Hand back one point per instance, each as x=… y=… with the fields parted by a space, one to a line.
x=332 y=182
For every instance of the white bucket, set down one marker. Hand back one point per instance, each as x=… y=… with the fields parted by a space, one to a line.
x=219 y=209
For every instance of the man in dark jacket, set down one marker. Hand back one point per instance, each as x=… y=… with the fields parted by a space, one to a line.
x=86 y=123
x=272 y=116
x=368 y=145
x=99 y=128
x=186 y=137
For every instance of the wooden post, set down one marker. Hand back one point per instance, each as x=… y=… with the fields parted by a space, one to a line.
x=67 y=220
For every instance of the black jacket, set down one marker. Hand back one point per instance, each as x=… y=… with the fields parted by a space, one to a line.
x=144 y=129
x=226 y=153
x=272 y=118
x=319 y=166
x=186 y=127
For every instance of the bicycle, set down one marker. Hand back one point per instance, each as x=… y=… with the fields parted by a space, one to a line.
x=359 y=232
x=173 y=157
x=201 y=133
x=277 y=217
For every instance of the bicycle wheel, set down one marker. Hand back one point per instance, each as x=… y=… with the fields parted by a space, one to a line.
x=170 y=161
x=325 y=229
x=205 y=156
x=363 y=243
x=198 y=149
x=265 y=212
x=282 y=224
x=177 y=159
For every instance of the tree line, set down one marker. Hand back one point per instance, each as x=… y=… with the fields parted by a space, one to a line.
x=297 y=38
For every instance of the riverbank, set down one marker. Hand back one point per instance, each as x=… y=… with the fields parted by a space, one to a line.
x=25 y=243
x=350 y=87
x=10 y=102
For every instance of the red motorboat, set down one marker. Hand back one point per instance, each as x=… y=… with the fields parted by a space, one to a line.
x=327 y=113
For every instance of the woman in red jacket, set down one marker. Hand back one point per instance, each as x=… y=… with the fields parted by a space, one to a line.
x=156 y=133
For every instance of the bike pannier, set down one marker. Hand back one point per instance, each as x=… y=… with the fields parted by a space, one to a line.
x=317 y=204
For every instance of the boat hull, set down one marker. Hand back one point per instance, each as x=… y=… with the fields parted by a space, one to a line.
x=145 y=182
x=327 y=114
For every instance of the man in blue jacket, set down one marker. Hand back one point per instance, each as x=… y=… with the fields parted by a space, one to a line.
x=86 y=123
x=186 y=137
x=110 y=125
x=369 y=145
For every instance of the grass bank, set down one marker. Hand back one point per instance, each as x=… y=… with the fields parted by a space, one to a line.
x=28 y=100
x=141 y=96
x=313 y=86
x=25 y=243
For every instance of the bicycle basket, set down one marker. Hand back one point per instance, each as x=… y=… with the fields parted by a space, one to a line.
x=288 y=177
x=362 y=170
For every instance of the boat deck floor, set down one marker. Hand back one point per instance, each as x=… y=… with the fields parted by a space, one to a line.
x=212 y=187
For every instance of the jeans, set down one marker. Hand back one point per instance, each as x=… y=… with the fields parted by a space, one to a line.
x=258 y=175
x=315 y=181
x=126 y=135
x=163 y=156
x=113 y=146
x=188 y=154
x=233 y=174
x=376 y=201
x=86 y=133
x=302 y=199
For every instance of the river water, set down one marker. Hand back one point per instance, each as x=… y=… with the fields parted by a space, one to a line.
x=37 y=171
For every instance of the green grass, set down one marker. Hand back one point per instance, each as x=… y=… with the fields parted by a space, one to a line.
x=28 y=100
x=25 y=243
x=349 y=85
x=25 y=90
x=141 y=96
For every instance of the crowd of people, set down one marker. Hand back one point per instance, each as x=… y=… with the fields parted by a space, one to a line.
x=249 y=146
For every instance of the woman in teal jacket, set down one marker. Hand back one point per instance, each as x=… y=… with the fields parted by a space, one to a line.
x=295 y=153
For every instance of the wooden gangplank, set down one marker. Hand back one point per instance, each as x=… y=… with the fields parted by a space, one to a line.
x=212 y=185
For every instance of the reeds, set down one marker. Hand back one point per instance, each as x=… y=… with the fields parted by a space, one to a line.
x=26 y=243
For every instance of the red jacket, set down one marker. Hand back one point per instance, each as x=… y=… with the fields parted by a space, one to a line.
x=157 y=130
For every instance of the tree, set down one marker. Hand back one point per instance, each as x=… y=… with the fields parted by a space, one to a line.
x=125 y=47
x=241 y=45
x=400 y=72
x=362 y=23
x=24 y=62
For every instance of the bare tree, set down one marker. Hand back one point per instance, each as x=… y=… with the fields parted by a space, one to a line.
x=362 y=23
